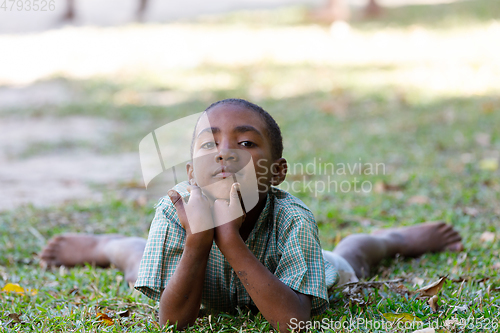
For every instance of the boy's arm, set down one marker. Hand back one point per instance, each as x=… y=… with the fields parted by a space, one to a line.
x=181 y=299
x=275 y=300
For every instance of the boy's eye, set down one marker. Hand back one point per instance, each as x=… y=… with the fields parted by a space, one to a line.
x=208 y=145
x=247 y=144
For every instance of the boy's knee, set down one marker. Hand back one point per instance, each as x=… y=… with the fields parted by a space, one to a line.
x=355 y=239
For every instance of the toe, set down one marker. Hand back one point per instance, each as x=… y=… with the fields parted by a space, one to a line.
x=452 y=234
x=455 y=247
x=440 y=224
x=55 y=239
x=444 y=227
x=456 y=239
x=50 y=249
x=47 y=253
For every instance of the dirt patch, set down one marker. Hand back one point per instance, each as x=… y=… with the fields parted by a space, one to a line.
x=17 y=133
x=38 y=94
x=54 y=179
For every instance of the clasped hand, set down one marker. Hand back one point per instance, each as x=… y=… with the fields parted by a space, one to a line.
x=204 y=222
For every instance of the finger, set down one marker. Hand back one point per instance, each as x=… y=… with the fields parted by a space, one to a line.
x=176 y=199
x=236 y=199
x=235 y=195
x=178 y=202
x=221 y=202
x=234 y=191
x=194 y=190
x=221 y=212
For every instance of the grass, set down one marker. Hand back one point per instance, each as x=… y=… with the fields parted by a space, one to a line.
x=428 y=139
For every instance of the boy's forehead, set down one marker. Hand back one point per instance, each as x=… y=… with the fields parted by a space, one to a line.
x=235 y=114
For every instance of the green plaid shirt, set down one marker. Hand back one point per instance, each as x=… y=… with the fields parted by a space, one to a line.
x=284 y=239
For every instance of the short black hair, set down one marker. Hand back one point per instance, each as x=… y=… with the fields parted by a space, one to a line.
x=273 y=130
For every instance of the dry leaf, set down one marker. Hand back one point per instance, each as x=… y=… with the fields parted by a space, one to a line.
x=462 y=279
x=381 y=187
x=433 y=303
x=418 y=281
x=402 y=317
x=487 y=237
x=471 y=211
x=15 y=317
x=74 y=291
x=488 y=164
x=462 y=308
x=62 y=271
x=419 y=200
x=461 y=258
x=125 y=313
x=16 y=288
x=433 y=288
x=102 y=317
x=400 y=289
x=13 y=288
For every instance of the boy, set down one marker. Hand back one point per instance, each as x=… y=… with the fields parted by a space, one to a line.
x=269 y=258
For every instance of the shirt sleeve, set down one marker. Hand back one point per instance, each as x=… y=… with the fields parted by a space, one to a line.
x=163 y=251
x=301 y=266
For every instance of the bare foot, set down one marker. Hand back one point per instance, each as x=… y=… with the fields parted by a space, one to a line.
x=426 y=237
x=76 y=249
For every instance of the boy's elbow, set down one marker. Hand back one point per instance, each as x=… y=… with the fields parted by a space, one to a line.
x=294 y=321
x=303 y=311
x=301 y=314
x=293 y=324
x=176 y=317
x=181 y=324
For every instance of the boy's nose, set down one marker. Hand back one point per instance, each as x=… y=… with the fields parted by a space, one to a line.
x=227 y=155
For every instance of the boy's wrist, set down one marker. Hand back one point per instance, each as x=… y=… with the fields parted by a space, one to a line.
x=227 y=237
x=200 y=241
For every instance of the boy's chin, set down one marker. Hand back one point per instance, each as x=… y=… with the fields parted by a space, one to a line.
x=218 y=190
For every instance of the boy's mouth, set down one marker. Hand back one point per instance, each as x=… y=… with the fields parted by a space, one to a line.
x=224 y=172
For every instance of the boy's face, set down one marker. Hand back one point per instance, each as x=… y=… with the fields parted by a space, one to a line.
x=226 y=139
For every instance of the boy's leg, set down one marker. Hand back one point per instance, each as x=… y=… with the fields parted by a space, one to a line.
x=102 y=250
x=363 y=252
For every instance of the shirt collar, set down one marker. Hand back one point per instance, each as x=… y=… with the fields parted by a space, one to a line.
x=264 y=216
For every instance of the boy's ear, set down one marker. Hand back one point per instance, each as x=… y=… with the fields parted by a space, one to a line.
x=280 y=168
x=190 y=171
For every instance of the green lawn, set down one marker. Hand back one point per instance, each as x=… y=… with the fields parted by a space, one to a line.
x=431 y=141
